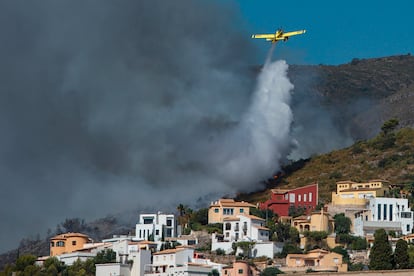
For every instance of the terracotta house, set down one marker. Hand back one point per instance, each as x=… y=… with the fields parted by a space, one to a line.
x=281 y=199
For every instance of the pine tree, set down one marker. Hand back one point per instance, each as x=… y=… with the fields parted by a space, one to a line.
x=381 y=257
x=401 y=255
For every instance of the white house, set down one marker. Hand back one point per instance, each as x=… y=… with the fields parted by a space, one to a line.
x=155 y=226
x=245 y=228
x=132 y=264
x=178 y=261
x=70 y=258
x=387 y=213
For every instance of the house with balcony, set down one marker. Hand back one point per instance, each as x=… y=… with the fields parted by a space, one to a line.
x=178 y=261
x=391 y=214
x=317 y=260
x=282 y=200
x=353 y=194
x=155 y=227
x=245 y=228
x=317 y=221
x=227 y=207
x=132 y=264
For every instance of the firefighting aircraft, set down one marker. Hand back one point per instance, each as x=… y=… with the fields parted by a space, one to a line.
x=279 y=35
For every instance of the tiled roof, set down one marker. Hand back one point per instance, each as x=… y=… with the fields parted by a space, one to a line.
x=226 y=202
x=253 y=217
x=260 y=227
x=69 y=235
x=230 y=218
x=172 y=251
x=360 y=189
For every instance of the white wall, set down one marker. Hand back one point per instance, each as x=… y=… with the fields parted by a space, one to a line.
x=113 y=269
x=154 y=225
x=139 y=261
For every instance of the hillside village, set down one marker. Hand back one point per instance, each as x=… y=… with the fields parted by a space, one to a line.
x=291 y=230
x=288 y=233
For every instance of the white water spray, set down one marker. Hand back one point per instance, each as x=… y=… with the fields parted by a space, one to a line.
x=263 y=136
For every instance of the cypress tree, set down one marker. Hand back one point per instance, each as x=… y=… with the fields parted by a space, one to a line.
x=381 y=257
x=401 y=255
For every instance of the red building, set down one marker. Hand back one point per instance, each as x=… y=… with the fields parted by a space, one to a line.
x=281 y=200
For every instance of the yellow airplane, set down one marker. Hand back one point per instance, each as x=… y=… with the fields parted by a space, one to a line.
x=279 y=35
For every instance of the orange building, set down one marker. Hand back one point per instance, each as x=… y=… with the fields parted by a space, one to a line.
x=239 y=268
x=67 y=243
x=317 y=260
x=224 y=208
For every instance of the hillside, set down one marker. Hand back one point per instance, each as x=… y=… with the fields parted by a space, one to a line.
x=359 y=97
x=363 y=161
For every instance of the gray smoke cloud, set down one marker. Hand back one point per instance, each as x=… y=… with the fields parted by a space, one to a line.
x=108 y=106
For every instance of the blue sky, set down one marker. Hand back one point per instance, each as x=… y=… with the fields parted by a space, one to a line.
x=337 y=31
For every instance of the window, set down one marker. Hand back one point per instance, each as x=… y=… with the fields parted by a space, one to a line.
x=148 y=220
x=385 y=212
x=228 y=211
x=52 y=244
x=60 y=243
x=240 y=271
x=379 y=212
x=241 y=210
x=237 y=227
x=169 y=233
x=304 y=197
x=169 y=222
x=157 y=232
x=291 y=197
x=336 y=260
x=405 y=214
x=228 y=226
x=408 y=228
x=299 y=198
x=73 y=242
x=310 y=197
x=391 y=212
x=216 y=210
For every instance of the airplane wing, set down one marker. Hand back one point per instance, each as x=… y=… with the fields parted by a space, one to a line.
x=288 y=34
x=265 y=36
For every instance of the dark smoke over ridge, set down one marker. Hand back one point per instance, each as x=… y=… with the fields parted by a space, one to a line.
x=107 y=106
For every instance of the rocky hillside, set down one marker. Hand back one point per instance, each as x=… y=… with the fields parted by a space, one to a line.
x=361 y=94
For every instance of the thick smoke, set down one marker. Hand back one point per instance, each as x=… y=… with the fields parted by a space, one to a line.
x=116 y=105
